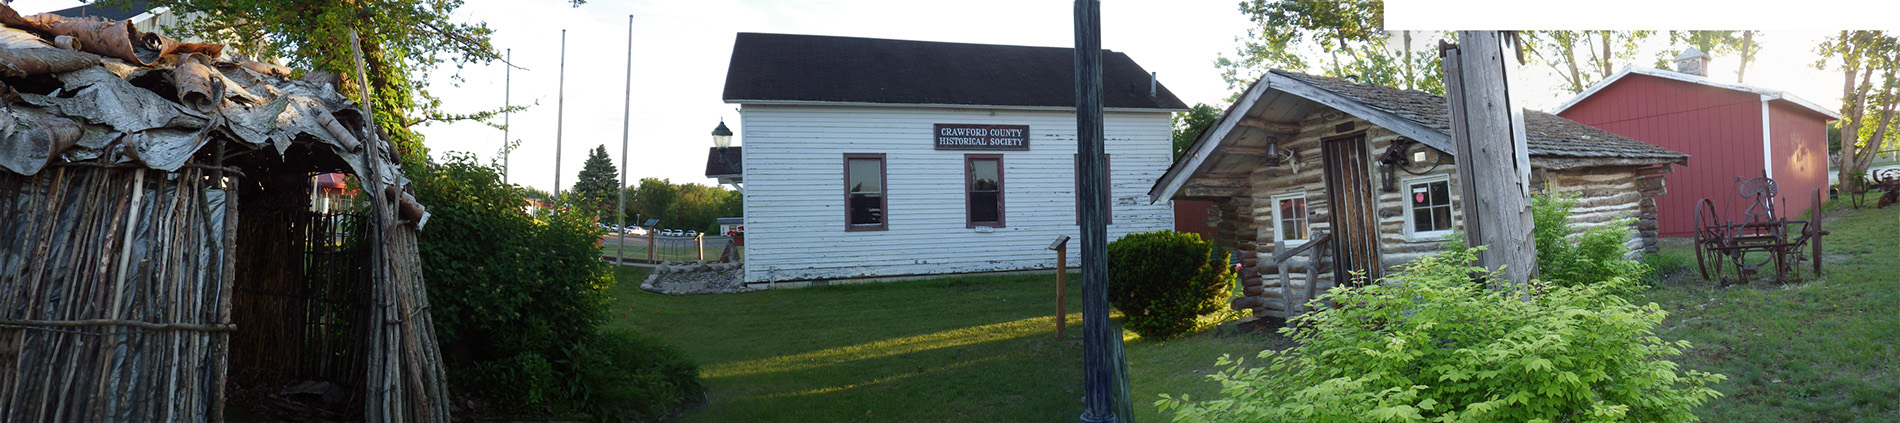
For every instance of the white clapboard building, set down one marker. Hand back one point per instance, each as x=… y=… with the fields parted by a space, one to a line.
x=874 y=158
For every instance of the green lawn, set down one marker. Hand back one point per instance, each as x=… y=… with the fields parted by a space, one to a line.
x=1827 y=350
x=967 y=349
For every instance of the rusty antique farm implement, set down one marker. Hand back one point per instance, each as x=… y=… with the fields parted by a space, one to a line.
x=1723 y=246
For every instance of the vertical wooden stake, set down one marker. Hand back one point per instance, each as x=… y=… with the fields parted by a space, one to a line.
x=699 y=246
x=1487 y=132
x=1062 y=288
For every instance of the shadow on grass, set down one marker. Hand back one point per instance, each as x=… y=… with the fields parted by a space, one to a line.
x=964 y=349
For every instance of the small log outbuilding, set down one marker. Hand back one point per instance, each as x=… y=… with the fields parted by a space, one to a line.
x=157 y=239
x=1316 y=177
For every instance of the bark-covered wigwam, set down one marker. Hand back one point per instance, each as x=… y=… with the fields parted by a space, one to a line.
x=157 y=244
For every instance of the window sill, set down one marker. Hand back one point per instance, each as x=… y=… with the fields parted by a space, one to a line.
x=1433 y=236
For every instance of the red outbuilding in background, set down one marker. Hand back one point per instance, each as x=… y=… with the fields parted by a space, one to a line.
x=1728 y=130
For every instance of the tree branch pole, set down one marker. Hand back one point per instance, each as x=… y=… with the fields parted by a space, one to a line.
x=560 y=109
x=507 y=104
x=626 y=128
x=1487 y=131
x=1100 y=344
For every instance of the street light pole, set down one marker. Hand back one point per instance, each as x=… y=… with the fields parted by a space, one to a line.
x=560 y=109
x=626 y=129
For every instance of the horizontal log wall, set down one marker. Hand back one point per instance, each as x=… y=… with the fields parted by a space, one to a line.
x=1608 y=194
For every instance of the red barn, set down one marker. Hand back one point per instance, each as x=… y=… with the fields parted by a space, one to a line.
x=1729 y=130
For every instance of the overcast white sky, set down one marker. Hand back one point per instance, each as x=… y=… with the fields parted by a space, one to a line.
x=681 y=49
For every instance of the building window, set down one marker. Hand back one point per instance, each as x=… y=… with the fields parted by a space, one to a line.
x=1428 y=208
x=864 y=192
x=1108 y=190
x=1289 y=217
x=983 y=190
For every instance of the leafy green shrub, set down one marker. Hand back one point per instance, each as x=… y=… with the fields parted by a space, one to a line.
x=1596 y=254
x=1162 y=280
x=519 y=383
x=620 y=375
x=1429 y=345
x=513 y=292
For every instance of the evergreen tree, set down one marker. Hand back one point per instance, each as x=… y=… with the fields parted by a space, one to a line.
x=594 y=192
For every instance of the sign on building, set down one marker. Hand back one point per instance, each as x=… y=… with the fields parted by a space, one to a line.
x=953 y=136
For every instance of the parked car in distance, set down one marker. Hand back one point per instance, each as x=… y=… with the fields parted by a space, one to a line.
x=670 y=232
x=636 y=230
x=690 y=232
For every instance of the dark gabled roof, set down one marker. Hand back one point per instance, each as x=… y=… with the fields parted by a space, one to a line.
x=1550 y=135
x=722 y=162
x=115 y=13
x=814 y=68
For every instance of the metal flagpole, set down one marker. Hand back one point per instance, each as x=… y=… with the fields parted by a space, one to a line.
x=560 y=109
x=626 y=126
x=507 y=87
x=1099 y=341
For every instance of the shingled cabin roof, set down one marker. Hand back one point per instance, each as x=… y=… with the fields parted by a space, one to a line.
x=789 y=68
x=1550 y=135
x=1284 y=96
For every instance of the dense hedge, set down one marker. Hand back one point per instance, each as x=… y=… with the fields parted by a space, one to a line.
x=517 y=299
x=1163 y=280
x=1427 y=345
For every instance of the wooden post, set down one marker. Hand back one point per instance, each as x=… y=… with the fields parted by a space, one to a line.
x=652 y=234
x=699 y=246
x=1062 y=282
x=1487 y=132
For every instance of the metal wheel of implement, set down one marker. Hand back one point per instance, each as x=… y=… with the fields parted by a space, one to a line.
x=1814 y=232
x=1709 y=234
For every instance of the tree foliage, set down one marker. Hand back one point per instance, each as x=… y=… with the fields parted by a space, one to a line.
x=402 y=41
x=1742 y=44
x=1868 y=62
x=1340 y=38
x=1190 y=124
x=594 y=193
x=1581 y=58
x=1428 y=345
x=683 y=206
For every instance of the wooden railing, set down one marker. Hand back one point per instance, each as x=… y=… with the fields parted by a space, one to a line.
x=1280 y=255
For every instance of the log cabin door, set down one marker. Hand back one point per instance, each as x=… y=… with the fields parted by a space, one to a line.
x=1354 y=219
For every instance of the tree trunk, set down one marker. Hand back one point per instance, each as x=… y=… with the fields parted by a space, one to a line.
x=1607 y=58
x=1748 y=44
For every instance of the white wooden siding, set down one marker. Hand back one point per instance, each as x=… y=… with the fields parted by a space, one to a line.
x=794 y=199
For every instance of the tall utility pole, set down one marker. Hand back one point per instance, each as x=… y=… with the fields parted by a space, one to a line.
x=560 y=110
x=1101 y=347
x=1487 y=132
x=507 y=87
x=626 y=128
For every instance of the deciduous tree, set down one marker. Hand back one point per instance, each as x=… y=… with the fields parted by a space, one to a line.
x=1341 y=38
x=1188 y=126
x=1582 y=58
x=1868 y=61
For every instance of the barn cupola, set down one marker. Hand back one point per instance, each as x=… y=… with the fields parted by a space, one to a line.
x=1693 y=62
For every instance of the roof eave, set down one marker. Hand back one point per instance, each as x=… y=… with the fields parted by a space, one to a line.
x=764 y=102
x=1767 y=94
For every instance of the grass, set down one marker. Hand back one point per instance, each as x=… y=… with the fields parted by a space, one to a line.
x=962 y=349
x=1825 y=350
x=981 y=349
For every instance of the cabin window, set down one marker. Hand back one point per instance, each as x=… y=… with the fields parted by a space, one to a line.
x=1289 y=217
x=864 y=192
x=983 y=190
x=1428 y=208
x=1108 y=190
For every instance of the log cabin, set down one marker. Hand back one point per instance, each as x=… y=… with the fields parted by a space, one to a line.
x=1294 y=146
